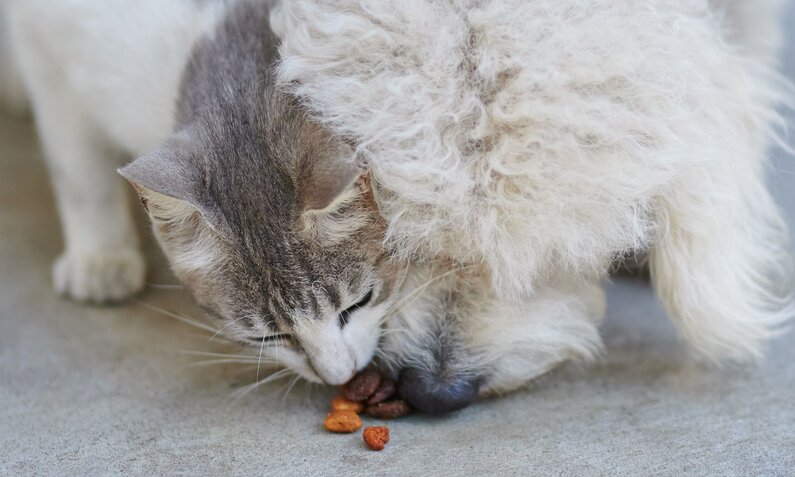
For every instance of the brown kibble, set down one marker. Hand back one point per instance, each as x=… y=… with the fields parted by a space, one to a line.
x=385 y=391
x=340 y=403
x=363 y=385
x=376 y=437
x=342 y=421
x=389 y=409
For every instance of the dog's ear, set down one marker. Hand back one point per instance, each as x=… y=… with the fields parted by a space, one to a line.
x=721 y=264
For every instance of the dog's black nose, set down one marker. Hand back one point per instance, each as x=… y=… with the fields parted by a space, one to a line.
x=433 y=394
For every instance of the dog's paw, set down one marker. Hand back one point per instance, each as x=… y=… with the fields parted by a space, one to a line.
x=100 y=277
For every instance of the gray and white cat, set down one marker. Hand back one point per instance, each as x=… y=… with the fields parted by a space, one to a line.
x=262 y=212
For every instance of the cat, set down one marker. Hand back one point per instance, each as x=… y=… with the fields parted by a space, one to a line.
x=267 y=214
x=260 y=211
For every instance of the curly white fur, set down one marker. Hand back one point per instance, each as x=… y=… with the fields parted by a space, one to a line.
x=503 y=342
x=544 y=139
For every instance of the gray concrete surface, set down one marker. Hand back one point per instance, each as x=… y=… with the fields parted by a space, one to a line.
x=90 y=391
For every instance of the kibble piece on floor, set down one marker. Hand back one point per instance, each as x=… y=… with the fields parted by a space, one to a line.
x=363 y=385
x=385 y=391
x=341 y=403
x=376 y=437
x=389 y=409
x=342 y=422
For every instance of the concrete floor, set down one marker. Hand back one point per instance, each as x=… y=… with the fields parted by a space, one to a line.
x=88 y=391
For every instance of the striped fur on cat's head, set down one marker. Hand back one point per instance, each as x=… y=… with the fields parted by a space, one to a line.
x=264 y=215
x=277 y=235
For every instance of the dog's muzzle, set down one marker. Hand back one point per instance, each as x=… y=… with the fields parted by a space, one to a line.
x=434 y=394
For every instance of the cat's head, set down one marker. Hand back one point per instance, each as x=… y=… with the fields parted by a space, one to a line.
x=272 y=226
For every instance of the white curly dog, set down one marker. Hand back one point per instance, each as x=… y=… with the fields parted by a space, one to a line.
x=526 y=145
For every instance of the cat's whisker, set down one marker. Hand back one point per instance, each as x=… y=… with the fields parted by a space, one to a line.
x=165 y=286
x=389 y=331
x=240 y=393
x=417 y=293
x=390 y=361
x=309 y=386
x=212 y=362
x=216 y=355
x=261 y=348
x=277 y=347
x=202 y=336
x=403 y=279
x=177 y=317
x=226 y=326
x=283 y=387
x=290 y=385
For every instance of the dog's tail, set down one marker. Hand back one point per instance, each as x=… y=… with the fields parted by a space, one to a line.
x=12 y=90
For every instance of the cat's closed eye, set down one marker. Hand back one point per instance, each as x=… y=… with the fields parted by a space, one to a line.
x=345 y=315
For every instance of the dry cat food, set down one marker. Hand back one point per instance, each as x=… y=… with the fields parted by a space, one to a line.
x=389 y=409
x=376 y=437
x=385 y=391
x=341 y=403
x=373 y=394
x=343 y=422
x=363 y=385
x=375 y=391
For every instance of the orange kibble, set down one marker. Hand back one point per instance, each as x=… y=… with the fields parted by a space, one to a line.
x=340 y=403
x=342 y=421
x=376 y=437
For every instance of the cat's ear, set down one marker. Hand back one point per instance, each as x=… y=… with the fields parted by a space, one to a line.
x=330 y=182
x=167 y=171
